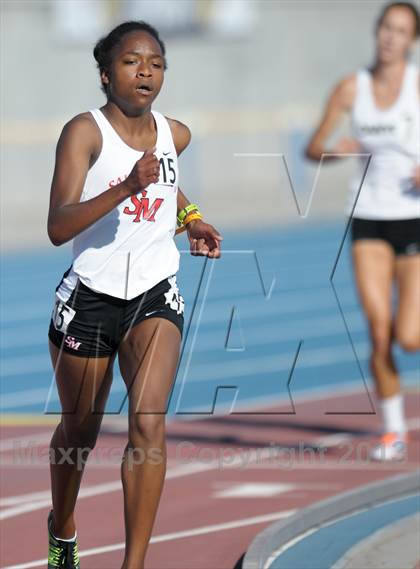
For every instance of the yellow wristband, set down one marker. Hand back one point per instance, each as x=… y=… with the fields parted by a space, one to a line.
x=184 y=212
x=191 y=217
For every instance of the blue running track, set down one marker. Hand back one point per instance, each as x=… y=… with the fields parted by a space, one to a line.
x=246 y=317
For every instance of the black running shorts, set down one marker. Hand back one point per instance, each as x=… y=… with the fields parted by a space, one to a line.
x=92 y=324
x=403 y=234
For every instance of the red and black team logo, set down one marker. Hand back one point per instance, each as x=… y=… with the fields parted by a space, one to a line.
x=141 y=207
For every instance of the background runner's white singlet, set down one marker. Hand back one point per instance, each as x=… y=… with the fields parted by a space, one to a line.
x=130 y=249
x=392 y=137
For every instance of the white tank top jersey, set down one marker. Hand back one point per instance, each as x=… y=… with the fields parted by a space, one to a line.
x=392 y=138
x=131 y=249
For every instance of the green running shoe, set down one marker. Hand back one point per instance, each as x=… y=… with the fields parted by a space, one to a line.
x=64 y=554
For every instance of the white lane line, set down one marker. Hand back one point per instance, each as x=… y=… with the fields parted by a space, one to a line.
x=21 y=366
x=45 y=502
x=228 y=371
x=266 y=489
x=236 y=367
x=273 y=333
x=312 y=327
x=318 y=282
x=15 y=443
x=254 y=490
x=329 y=441
x=321 y=463
x=186 y=469
x=42 y=465
x=286 y=458
x=193 y=532
x=296 y=246
x=25 y=498
x=12 y=366
x=277 y=552
x=26 y=398
x=273 y=363
x=280 y=303
x=13 y=309
x=254 y=459
x=313 y=394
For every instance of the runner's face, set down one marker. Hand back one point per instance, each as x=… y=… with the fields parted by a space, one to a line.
x=395 y=35
x=136 y=74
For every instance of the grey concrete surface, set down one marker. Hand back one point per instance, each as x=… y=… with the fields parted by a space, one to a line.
x=394 y=547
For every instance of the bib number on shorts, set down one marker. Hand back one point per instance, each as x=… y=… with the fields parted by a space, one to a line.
x=173 y=296
x=62 y=316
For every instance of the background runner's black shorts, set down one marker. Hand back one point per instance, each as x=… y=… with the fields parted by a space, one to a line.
x=402 y=234
x=92 y=324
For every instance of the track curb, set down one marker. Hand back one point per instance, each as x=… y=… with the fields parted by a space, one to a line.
x=280 y=533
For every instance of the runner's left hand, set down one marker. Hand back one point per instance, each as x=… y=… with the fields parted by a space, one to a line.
x=204 y=239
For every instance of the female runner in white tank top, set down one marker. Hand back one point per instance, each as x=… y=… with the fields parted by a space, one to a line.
x=115 y=191
x=384 y=104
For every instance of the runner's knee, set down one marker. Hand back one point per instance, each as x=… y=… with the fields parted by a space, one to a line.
x=409 y=340
x=145 y=428
x=80 y=435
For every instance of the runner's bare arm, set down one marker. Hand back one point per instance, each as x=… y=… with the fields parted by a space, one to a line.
x=181 y=135
x=77 y=149
x=340 y=102
x=204 y=238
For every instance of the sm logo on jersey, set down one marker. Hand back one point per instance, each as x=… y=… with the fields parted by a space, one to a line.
x=142 y=207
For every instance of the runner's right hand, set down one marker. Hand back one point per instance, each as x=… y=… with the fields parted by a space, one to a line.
x=145 y=172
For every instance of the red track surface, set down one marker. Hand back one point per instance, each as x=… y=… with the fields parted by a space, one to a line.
x=194 y=476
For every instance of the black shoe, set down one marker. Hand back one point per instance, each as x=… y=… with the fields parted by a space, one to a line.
x=64 y=554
